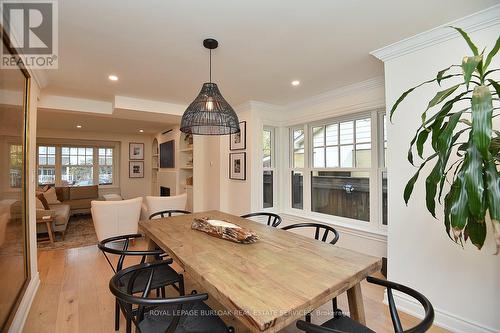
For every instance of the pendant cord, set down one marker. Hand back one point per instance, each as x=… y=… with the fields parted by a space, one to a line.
x=210 y=66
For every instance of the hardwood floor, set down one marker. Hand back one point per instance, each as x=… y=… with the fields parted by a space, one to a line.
x=74 y=297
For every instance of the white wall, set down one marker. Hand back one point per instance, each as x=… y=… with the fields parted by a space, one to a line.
x=462 y=284
x=128 y=187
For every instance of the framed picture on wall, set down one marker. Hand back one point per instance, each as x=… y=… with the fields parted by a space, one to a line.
x=136 y=169
x=136 y=151
x=238 y=166
x=238 y=141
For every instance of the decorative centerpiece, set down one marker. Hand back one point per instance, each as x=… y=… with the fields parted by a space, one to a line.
x=224 y=230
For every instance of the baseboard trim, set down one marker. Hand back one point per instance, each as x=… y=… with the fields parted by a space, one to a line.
x=25 y=305
x=442 y=318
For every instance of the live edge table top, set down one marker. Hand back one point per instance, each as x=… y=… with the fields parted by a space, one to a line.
x=268 y=284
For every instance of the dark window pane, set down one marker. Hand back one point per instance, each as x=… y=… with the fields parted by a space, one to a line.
x=268 y=189
x=384 y=198
x=345 y=194
x=297 y=190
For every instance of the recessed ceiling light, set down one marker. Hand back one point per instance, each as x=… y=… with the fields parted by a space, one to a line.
x=141 y=130
x=78 y=126
x=113 y=77
x=295 y=83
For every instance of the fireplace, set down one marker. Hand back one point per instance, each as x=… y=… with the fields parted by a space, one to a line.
x=164 y=191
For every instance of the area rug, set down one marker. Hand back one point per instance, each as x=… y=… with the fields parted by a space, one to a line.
x=80 y=232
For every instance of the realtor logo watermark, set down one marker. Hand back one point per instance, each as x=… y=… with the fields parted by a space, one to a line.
x=32 y=28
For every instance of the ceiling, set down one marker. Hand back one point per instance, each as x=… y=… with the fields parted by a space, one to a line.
x=154 y=46
x=121 y=121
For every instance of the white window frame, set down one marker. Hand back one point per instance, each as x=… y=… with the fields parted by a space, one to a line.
x=46 y=165
x=375 y=174
x=95 y=145
x=272 y=168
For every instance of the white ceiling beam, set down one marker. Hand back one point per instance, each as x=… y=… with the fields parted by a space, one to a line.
x=146 y=105
x=75 y=104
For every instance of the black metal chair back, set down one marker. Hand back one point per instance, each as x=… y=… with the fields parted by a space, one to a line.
x=421 y=327
x=123 y=284
x=119 y=245
x=273 y=220
x=322 y=229
x=168 y=213
x=135 y=304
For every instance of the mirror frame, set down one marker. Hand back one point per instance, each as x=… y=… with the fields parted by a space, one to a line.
x=24 y=187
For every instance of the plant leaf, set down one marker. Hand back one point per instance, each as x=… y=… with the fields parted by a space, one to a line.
x=495 y=85
x=493 y=190
x=492 y=53
x=406 y=93
x=411 y=183
x=473 y=177
x=468 y=40
x=456 y=200
x=469 y=65
x=440 y=74
x=482 y=111
x=476 y=231
x=439 y=97
x=422 y=137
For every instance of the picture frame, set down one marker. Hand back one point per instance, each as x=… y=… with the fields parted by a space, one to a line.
x=238 y=141
x=238 y=166
x=136 y=169
x=136 y=151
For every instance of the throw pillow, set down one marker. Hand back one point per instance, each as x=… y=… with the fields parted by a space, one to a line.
x=42 y=198
x=39 y=204
x=51 y=196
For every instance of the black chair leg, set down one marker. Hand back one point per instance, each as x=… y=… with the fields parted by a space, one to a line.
x=117 y=315
x=163 y=292
x=308 y=317
x=129 y=326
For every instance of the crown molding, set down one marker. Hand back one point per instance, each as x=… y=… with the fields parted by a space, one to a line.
x=477 y=21
x=373 y=83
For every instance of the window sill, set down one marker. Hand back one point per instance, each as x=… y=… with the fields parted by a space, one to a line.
x=379 y=234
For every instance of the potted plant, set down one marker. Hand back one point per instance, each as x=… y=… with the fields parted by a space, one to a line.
x=465 y=147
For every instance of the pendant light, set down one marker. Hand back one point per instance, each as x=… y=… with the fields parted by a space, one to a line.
x=209 y=113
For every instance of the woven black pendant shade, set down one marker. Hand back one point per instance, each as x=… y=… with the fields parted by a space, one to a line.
x=210 y=114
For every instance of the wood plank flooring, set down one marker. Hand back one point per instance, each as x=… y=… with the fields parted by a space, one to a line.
x=74 y=297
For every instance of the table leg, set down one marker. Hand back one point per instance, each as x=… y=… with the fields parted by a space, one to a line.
x=356 y=307
x=151 y=246
x=49 y=231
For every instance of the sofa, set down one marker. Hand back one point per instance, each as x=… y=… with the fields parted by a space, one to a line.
x=78 y=198
x=74 y=200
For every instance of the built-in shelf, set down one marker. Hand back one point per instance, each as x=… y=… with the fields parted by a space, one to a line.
x=186 y=150
x=186 y=167
x=155 y=168
x=155 y=155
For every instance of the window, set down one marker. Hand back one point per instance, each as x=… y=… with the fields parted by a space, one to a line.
x=105 y=166
x=335 y=172
x=298 y=148
x=268 y=167
x=77 y=166
x=15 y=166
x=46 y=165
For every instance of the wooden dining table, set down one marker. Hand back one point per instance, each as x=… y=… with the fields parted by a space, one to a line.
x=269 y=284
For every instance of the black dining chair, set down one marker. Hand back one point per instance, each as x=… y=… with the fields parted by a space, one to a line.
x=273 y=220
x=166 y=276
x=154 y=315
x=168 y=213
x=322 y=233
x=343 y=324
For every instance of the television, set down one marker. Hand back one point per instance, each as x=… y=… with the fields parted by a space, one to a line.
x=167 y=154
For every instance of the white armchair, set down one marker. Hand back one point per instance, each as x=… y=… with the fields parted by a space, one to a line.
x=115 y=218
x=158 y=204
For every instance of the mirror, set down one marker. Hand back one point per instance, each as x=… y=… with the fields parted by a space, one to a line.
x=14 y=269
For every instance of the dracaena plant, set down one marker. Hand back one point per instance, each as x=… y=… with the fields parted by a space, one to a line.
x=457 y=124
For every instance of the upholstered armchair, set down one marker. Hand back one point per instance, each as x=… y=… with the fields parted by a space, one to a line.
x=116 y=218
x=157 y=204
